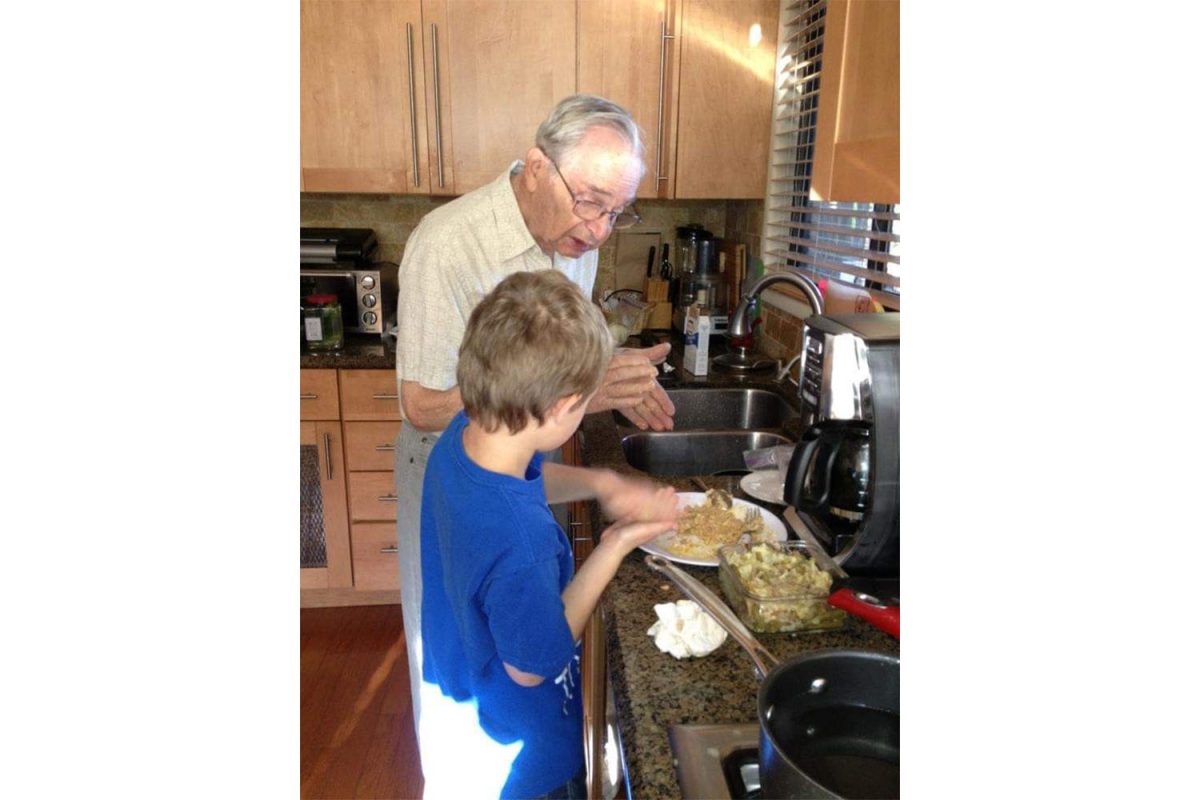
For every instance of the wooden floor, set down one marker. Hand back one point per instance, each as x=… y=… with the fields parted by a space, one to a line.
x=356 y=725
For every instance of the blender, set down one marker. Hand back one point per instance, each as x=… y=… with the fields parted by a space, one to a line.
x=700 y=279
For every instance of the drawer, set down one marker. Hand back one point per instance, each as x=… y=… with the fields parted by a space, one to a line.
x=318 y=394
x=370 y=394
x=373 y=545
x=370 y=445
x=372 y=496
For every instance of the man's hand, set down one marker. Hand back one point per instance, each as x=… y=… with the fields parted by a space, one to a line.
x=636 y=500
x=631 y=386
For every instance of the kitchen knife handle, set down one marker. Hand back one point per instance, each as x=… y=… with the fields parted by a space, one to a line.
x=868 y=609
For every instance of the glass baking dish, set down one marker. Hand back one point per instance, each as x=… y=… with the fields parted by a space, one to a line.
x=775 y=587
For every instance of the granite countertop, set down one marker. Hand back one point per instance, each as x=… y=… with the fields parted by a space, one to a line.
x=361 y=351
x=652 y=690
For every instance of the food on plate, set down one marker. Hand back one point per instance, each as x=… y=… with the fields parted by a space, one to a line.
x=776 y=587
x=703 y=528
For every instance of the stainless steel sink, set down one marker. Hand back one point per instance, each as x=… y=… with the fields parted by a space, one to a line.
x=726 y=409
x=676 y=453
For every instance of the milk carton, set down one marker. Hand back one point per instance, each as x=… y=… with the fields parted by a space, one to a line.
x=696 y=328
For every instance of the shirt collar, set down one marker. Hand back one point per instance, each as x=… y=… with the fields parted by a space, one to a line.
x=513 y=236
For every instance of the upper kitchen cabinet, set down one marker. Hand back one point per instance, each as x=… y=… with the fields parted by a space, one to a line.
x=362 y=90
x=856 y=155
x=408 y=97
x=626 y=55
x=497 y=68
x=698 y=75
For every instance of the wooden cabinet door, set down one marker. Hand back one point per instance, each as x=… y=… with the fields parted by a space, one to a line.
x=362 y=108
x=726 y=93
x=500 y=68
x=324 y=529
x=318 y=394
x=375 y=565
x=626 y=53
x=369 y=394
x=856 y=155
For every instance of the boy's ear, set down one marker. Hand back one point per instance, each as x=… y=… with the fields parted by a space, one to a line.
x=565 y=405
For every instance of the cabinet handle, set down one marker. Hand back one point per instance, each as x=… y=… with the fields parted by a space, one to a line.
x=328 y=459
x=412 y=108
x=437 y=107
x=308 y=397
x=662 y=94
x=384 y=448
x=388 y=498
x=385 y=397
x=389 y=549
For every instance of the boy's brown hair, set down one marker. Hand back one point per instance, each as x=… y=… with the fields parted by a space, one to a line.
x=531 y=341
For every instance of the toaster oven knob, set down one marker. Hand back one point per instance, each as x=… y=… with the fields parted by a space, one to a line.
x=368 y=282
x=369 y=300
x=369 y=318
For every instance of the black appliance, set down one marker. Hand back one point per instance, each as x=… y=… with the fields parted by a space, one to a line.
x=844 y=477
x=341 y=261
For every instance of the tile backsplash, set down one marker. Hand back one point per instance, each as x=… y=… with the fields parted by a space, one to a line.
x=393 y=218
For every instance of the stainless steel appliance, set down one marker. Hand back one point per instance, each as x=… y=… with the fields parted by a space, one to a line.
x=844 y=478
x=340 y=261
x=700 y=280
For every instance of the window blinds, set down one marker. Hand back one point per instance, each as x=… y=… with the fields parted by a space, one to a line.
x=855 y=243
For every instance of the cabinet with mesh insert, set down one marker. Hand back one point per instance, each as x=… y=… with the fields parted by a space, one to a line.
x=324 y=530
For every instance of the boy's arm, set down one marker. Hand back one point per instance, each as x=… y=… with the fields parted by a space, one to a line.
x=627 y=499
x=584 y=590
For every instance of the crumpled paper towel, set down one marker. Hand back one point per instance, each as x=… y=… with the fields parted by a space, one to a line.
x=684 y=629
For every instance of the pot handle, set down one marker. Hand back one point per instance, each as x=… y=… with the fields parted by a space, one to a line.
x=704 y=597
x=867 y=608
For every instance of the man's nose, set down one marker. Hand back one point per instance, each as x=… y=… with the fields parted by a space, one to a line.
x=599 y=228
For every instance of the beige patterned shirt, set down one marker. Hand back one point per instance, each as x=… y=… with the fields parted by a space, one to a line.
x=456 y=255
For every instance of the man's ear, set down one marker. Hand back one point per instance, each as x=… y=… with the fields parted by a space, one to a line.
x=535 y=165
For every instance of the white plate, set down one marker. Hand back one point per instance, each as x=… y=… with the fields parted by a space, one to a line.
x=774 y=525
x=765 y=485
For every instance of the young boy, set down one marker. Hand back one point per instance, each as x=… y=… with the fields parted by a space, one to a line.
x=502 y=611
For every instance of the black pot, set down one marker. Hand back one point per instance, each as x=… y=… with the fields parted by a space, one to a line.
x=829 y=726
x=829 y=721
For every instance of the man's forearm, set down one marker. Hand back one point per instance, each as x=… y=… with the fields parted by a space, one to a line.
x=429 y=409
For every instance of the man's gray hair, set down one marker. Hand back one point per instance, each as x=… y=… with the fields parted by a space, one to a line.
x=575 y=115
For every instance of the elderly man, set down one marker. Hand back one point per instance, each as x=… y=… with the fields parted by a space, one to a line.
x=551 y=211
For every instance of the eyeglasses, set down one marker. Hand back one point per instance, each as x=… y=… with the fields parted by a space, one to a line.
x=590 y=211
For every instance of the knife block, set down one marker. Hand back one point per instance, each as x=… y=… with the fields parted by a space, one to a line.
x=655 y=292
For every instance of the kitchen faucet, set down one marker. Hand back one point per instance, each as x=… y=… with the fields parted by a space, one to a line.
x=739 y=325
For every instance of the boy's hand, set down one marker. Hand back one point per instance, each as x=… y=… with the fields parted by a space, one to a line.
x=626 y=536
x=636 y=500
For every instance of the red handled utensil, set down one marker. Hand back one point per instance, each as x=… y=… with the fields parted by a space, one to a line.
x=862 y=605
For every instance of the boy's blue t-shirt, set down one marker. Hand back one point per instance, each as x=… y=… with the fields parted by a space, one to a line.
x=494 y=563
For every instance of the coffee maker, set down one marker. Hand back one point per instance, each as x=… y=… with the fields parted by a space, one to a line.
x=844 y=477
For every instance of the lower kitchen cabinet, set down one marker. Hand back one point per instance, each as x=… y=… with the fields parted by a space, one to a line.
x=324 y=528
x=594 y=662
x=348 y=492
x=374 y=553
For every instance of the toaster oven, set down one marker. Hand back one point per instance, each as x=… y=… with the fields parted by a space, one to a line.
x=339 y=261
x=367 y=296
